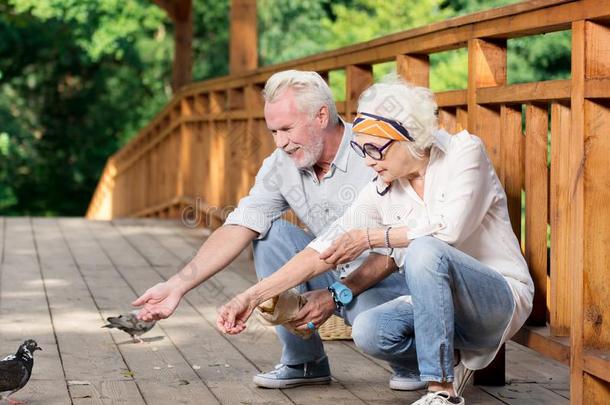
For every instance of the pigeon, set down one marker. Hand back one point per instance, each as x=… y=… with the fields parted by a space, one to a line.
x=130 y=323
x=15 y=370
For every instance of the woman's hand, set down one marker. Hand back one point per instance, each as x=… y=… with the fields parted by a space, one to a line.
x=233 y=315
x=346 y=247
x=159 y=302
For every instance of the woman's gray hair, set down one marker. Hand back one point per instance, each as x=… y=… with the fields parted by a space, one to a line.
x=414 y=107
x=311 y=92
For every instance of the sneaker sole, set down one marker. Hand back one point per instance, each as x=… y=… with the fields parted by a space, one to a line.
x=408 y=386
x=293 y=382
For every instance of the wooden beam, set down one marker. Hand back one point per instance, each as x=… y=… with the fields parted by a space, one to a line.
x=451 y=98
x=512 y=152
x=180 y=12
x=540 y=340
x=183 y=52
x=358 y=78
x=536 y=187
x=168 y=6
x=575 y=233
x=243 y=54
x=525 y=92
x=597 y=363
x=487 y=68
x=561 y=288
x=597 y=88
x=414 y=69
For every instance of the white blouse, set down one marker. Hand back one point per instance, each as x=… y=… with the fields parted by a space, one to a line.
x=464 y=205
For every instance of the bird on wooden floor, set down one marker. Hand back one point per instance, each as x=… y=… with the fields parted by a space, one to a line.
x=16 y=369
x=130 y=323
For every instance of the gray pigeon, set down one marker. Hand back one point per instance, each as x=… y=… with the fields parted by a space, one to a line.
x=130 y=323
x=15 y=370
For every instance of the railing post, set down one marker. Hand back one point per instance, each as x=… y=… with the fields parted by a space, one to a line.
x=218 y=151
x=244 y=38
x=589 y=233
x=561 y=288
x=414 y=69
x=183 y=181
x=511 y=148
x=358 y=78
x=536 y=186
x=487 y=68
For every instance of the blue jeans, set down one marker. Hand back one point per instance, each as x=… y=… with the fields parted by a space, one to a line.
x=285 y=240
x=456 y=302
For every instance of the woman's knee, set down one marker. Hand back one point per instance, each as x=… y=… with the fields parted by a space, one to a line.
x=424 y=253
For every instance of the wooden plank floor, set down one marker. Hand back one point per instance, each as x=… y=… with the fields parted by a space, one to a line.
x=59 y=279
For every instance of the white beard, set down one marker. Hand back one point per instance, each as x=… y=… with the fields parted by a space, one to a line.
x=311 y=153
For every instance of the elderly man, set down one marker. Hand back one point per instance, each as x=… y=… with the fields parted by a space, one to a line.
x=314 y=172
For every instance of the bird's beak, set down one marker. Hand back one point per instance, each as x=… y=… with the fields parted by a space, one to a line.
x=37 y=348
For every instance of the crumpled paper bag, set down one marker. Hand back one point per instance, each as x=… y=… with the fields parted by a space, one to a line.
x=282 y=309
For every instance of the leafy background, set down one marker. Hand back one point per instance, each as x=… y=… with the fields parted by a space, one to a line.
x=78 y=78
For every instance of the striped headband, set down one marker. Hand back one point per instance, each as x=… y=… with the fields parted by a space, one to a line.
x=376 y=125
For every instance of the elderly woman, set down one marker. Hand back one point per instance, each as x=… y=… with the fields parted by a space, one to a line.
x=439 y=212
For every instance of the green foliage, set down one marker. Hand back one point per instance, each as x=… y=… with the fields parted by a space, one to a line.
x=79 y=78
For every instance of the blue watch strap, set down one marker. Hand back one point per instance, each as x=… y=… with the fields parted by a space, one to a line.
x=341 y=293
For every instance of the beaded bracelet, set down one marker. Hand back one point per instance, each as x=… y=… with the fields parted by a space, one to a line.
x=387 y=237
x=368 y=239
x=388 y=246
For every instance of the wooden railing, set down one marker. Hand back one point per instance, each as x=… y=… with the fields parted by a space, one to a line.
x=201 y=153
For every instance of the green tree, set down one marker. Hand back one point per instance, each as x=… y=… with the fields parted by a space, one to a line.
x=79 y=78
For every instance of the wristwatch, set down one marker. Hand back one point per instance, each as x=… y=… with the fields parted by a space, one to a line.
x=341 y=293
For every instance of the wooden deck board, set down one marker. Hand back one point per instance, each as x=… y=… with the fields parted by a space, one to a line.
x=59 y=278
x=258 y=343
x=24 y=314
x=87 y=356
x=366 y=379
x=162 y=374
x=200 y=342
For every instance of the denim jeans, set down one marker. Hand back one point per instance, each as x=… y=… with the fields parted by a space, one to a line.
x=456 y=303
x=285 y=240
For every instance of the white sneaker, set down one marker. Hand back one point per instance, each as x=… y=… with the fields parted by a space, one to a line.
x=439 y=398
x=461 y=376
x=400 y=383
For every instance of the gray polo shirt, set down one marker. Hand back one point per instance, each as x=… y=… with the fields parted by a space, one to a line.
x=280 y=185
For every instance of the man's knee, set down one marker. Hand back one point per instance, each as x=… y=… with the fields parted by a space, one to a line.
x=365 y=334
x=372 y=337
x=279 y=245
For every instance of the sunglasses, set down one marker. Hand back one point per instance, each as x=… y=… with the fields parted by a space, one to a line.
x=373 y=151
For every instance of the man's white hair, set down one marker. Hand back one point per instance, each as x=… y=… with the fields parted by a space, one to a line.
x=310 y=89
x=414 y=107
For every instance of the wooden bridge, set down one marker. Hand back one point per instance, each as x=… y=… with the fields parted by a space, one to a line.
x=200 y=154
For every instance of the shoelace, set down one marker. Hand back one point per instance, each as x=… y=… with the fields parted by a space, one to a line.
x=433 y=396
x=276 y=368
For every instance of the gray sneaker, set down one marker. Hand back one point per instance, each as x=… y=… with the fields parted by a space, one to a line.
x=405 y=383
x=284 y=376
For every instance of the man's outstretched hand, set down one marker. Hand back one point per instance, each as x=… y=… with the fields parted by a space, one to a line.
x=158 y=302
